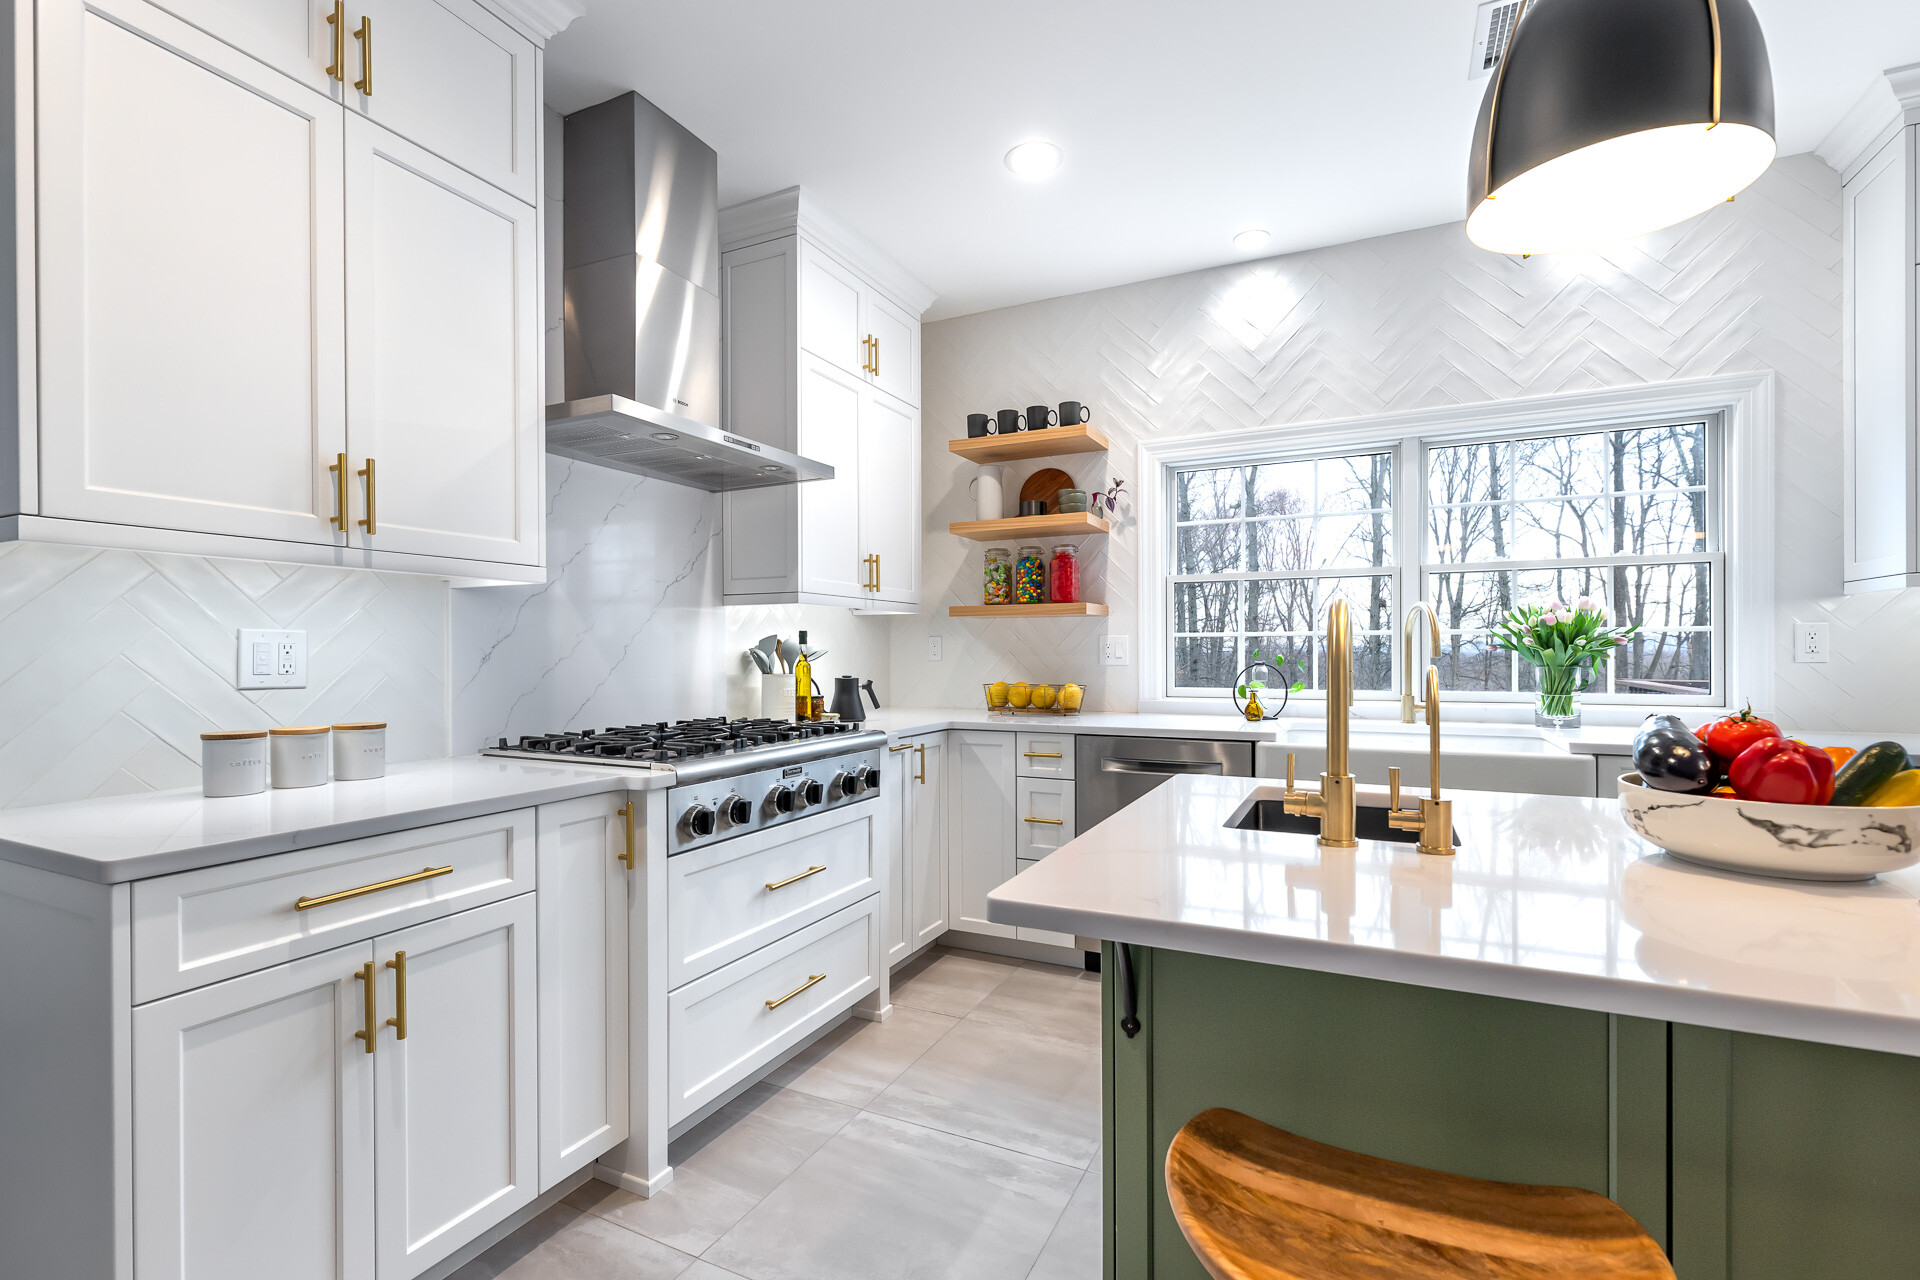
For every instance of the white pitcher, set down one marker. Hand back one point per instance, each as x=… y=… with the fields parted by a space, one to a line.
x=987 y=493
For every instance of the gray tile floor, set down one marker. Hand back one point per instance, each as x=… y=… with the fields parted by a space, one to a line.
x=958 y=1140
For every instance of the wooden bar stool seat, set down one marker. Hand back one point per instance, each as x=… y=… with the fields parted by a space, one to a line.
x=1259 y=1203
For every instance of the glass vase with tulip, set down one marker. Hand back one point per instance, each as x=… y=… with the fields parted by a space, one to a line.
x=1566 y=644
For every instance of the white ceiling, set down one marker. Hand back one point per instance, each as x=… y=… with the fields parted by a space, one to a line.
x=1324 y=122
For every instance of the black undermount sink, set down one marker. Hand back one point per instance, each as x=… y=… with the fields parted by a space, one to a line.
x=1370 y=823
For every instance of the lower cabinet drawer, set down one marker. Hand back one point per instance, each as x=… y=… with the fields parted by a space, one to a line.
x=1045 y=755
x=202 y=926
x=1027 y=934
x=734 y=897
x=725 y=1026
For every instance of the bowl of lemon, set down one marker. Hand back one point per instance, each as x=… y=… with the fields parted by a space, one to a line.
x=1021 y=697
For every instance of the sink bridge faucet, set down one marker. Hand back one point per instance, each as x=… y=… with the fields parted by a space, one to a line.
x=1334 y=805
x=1433 y=818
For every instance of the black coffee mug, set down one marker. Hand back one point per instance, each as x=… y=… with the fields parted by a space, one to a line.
x=1073 y=413
x=1040 y=417
x=1011 y=421
x=979 y=424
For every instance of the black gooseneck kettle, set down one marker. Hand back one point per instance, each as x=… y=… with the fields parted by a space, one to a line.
x=846 y=698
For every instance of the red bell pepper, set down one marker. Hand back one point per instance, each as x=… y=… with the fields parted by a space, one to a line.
x=1782 y=771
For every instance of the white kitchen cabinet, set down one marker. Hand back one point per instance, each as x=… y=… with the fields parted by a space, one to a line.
x=253 y=1126
x=981 y=777
x=807 y=303
x=453 y=78
x=1880 y=208
x=583 y=984
x=443 y=349
x=456 y=1105
x=1044 y=807
x=294 y=37
x=1046 y=755
x=916 y=786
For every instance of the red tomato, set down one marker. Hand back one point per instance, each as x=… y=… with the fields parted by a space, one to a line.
x=1782 y=771
x=1729 y=736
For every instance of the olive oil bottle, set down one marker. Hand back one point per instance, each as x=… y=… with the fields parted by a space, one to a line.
x=802 y=683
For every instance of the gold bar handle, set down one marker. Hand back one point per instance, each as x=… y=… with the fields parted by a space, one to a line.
x=1044 y=755
x=365 y=975
x=1048 y=822
x=365 y=83
x=876 y=357
x=626 y=811
x=339 y=470
x=368 y=524
x=308 y=904
x=905 y=746
x=399 y=1020
x=876 y=571
x=921 y=777
x=337 y=69
x=781 y=884
x=811 y=980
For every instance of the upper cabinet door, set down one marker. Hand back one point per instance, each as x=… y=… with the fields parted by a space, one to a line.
x=830 y=545
x=453 y=78
x=190 y=285
x=896 y=347
x=830 y=312
x=292 y=36
x=889 y=496
x=443 y=373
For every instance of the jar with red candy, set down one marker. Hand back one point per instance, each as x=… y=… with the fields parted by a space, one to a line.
x=1063 y=577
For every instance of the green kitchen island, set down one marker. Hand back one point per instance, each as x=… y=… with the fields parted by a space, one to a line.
x=1735 y=1061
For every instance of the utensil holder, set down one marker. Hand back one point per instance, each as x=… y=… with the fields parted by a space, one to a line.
x=777 y=694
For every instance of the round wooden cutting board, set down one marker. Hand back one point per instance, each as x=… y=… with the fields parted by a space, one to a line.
x=1047 y=485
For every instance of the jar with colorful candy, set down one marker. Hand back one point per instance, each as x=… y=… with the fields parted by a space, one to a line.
x=1030 y=577
x=999 y=577
x=1063 y=578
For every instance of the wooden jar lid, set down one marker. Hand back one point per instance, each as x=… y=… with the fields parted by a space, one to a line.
x=288 y=733
x=365 y=724
x=227 y=735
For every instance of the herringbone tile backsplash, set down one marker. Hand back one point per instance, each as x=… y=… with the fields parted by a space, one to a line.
x=1405 y=322
x=112 y=664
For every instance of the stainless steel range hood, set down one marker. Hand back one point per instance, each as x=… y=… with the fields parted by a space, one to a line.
x=641 y=255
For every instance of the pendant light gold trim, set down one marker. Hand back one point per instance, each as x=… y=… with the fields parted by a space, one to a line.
x=1499 y=81
x=1713 y=16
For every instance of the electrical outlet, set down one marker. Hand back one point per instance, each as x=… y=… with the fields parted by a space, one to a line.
x=1114 y=651
x=1809 y=642
x=271 y=660
x=933 y=648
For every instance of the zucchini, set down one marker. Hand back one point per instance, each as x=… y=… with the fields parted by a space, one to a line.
x=1867 y=772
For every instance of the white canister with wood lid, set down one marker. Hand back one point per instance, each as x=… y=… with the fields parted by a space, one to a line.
x=300 y=756
x=233 y=762
x=359 y=751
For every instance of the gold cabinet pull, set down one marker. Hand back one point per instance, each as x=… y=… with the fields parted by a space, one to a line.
x=868 y=364
x=337 y=69
x=876 y=572
x=1043 y=755
x=876 y=356
x=1047 y=822
x=365 y=83
x=781 y=884
x=921 y=777
x=308 y=904
x=366 y=1033
x=339 y=470
x=367 y=471
x=905 y=746
x=626 y=811
x=775 y=1004
x=399 y=1019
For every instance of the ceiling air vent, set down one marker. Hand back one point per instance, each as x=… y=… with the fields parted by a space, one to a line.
x=1492 y=29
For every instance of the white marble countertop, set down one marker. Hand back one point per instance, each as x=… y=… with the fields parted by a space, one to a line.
x=133 y=837
x=1550 y=899
x=907 y=721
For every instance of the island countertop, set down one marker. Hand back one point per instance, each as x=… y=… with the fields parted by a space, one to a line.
x=1551 y=899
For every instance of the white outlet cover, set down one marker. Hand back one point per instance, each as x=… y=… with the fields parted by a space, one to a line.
x=1115 y=651
x=271 y=660
x=1810 y=641
x=934 y=646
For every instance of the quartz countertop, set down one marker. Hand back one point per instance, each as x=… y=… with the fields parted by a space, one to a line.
x=1551 y=899
x=907 y=721
x=132 y=837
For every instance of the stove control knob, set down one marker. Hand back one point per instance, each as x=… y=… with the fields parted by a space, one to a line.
x=782 y=799
x=844 y=784
x=870 y=779
x=735 y=811
x=811 y=792
x=699 y=820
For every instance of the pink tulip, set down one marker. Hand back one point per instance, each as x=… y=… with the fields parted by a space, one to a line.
x=1556 y=607
x=1585 y=602
x=1550 y=618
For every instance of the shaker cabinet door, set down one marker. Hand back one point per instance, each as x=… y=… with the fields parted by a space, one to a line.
x=253 y=1127
x=830 y=545
x=896 y=352
x=291 y=36
x=830 y=312
x=190 y=292
x=443 y=376
x=890 y=496
x=980 y=823
x=927 y=844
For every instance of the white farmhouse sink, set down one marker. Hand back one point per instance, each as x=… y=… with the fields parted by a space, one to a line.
x=1491 y=758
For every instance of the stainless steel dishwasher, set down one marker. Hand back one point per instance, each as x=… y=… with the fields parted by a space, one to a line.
x=1111 y=773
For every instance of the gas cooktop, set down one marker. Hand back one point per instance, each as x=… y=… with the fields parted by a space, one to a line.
x=712 y=747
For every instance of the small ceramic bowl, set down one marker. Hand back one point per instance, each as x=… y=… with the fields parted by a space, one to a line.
x=1072 y=500
x=1791 y=841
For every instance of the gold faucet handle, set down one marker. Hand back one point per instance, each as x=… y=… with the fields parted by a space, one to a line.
x=1393 y=787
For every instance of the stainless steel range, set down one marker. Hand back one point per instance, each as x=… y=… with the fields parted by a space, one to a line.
x=732 y=777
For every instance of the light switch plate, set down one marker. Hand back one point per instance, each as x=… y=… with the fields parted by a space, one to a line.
x=933 y=648
x=1115 y=651
x=1810 y=642
x=271 y=660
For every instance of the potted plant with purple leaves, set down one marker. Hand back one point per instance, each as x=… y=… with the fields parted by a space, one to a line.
x=1111 y=498
x=1566 y=645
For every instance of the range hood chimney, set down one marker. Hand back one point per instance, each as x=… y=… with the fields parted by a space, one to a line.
x=641 y=255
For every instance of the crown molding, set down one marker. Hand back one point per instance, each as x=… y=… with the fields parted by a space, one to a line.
x=794 y=212
x=1890 y=103
x=543 y=19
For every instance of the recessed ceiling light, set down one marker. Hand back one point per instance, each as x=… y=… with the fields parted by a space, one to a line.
x=1034 y=159
x=1252 y=240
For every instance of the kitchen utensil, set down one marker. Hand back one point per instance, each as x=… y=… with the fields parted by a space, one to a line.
x=1072 y=501
x=789 y=654
x=233 y=763
x=300 y=756
x=1040 y=417
x=1045 y=486
x=846 y=698
x=761 y=660
x=1033 y=508
x=1791 y=841
x=1010 y=421
x=770 y=646
x=359 y=751
x=814 y=655
x=1074 y=414
x=988 y=495
x=979 y=424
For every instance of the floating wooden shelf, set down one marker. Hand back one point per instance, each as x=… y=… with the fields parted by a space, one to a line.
x=1082 y=610
x=1048 y=442
x=1076 y=525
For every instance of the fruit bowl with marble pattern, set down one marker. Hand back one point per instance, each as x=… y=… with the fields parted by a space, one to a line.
x=1789 y=841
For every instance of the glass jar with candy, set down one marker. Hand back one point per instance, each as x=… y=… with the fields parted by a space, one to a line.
x=1030 y=576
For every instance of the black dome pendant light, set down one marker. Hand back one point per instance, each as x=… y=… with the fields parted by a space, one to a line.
x=1612 y=118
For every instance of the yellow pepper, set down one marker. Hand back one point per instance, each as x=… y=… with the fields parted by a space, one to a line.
x=1899 y=791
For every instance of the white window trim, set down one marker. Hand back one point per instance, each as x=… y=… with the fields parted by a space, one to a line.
x=1744 y=401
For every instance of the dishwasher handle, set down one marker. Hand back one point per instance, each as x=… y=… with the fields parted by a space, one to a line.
x=1115 y=764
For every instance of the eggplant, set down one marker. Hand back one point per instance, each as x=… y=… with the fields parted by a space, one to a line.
x=1669 y=757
